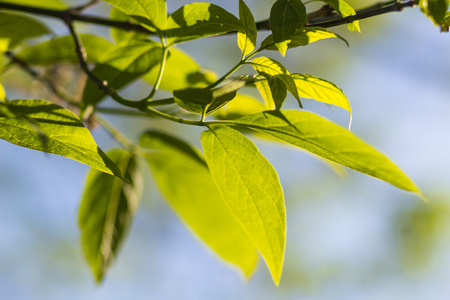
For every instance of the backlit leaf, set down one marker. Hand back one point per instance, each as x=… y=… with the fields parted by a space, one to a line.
x=62 y=49
x=149 y=13
x=16 y=28
x=181 y=72
x=198 y=20
x=345 y=10
x=107 y=210
x=49 y=4
x=247 y=37
x=265 y=91
x=183 y=178
x=121 y=65
x=242 y=105
x=119 y=34
x=250 y=186
x=327 y=140
x=286 y=17
x=434 y=9
x=270 y=67
x=63 y=133
x=2 y=94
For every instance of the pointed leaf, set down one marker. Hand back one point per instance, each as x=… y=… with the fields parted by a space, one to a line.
x=265 y=91
x=327 y=140
x=121 y=65
x=302 y=37
x=345 y=10
x=64 y=133
x=250 y=186
x=247 y=37
x=183 y=178
x=268 y=66
x=278 y=90
x=286 y=17
x=107 y=210
x=149 y=13
x=62 y=49
x=16 y=28
x=198 y=20
x=434 y=9
x=181 y=72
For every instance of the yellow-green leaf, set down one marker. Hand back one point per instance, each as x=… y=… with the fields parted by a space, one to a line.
x=250 y=186
x=49 y=4
x=242 y=105
x=345 y=10
x=247 y=37
x=434 y=9
x=183 y=178
x=47 y=127
x=2 y=94
x=107 y=210
x=328 y=140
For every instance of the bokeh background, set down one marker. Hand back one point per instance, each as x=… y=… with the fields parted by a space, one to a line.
x=350 y=237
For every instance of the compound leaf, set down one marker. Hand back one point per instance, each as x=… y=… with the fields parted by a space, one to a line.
x=250 y=186
x=107 y=210
x=183 y=178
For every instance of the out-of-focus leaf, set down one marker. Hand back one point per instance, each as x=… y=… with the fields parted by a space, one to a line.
x=445 y=24
x=181 y=72
x=198 y=20
x=270 y=67
x=121 y=65
x=183 y=178
x=302 y=37
x=120 y=35
x=242 y=105
x=330 y=141
x=16 y=28
x=434 y=9
x=149 y=13
x=286 y=17
x=345 y=10
x=107 y=211
x=62 y=49
x=2 y=94
x=49 y=4
x=247 y=38
x=63 y=132
x=250 y=186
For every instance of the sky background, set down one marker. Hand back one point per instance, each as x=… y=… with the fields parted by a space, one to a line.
x=348 y=238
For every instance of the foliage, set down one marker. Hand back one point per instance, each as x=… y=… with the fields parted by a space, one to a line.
x=229 y=195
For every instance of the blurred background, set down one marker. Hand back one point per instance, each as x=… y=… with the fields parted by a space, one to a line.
x=350 y=237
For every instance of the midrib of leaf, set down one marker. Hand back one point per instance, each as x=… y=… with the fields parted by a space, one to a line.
x=252 y=201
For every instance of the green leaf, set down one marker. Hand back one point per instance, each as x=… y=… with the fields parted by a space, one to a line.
x=270 y=67
x=107 y=210
x=302 y=37
x=278 y=90
x=312 y=87
x=434 y=9
x=286 y=17
x=206 y=101
x=198 y=20
x=62 y=49
x=242 y=105
x=345 y=10
x=265 y=91
x=183 y=178
x=49 y=4
x=2 y=94
x=445 y=24
x=16 y=28
x=247 y=37
x=121 y=65
x=250 y=186
x=327 y=140
x=151 y=14
x=181 y=72
x=119 y=34
x=64 y=133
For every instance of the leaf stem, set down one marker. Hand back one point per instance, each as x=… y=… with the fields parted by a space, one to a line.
x=165 y=55
x=114 y=132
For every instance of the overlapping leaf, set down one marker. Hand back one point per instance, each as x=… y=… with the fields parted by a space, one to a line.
x=149 y=13
x=121 y=65
x=181 y=72
x=198 y=20
x=286 y=17
x=434 y=9
x=16 y=28
x=247 y=37
x=107 y=210
x=250 y=186
x=183 y=178
x=62 y=49
x=328 y=140
x=345 y=10
x=119 y=34
x=47 y=127
x=242 y=105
